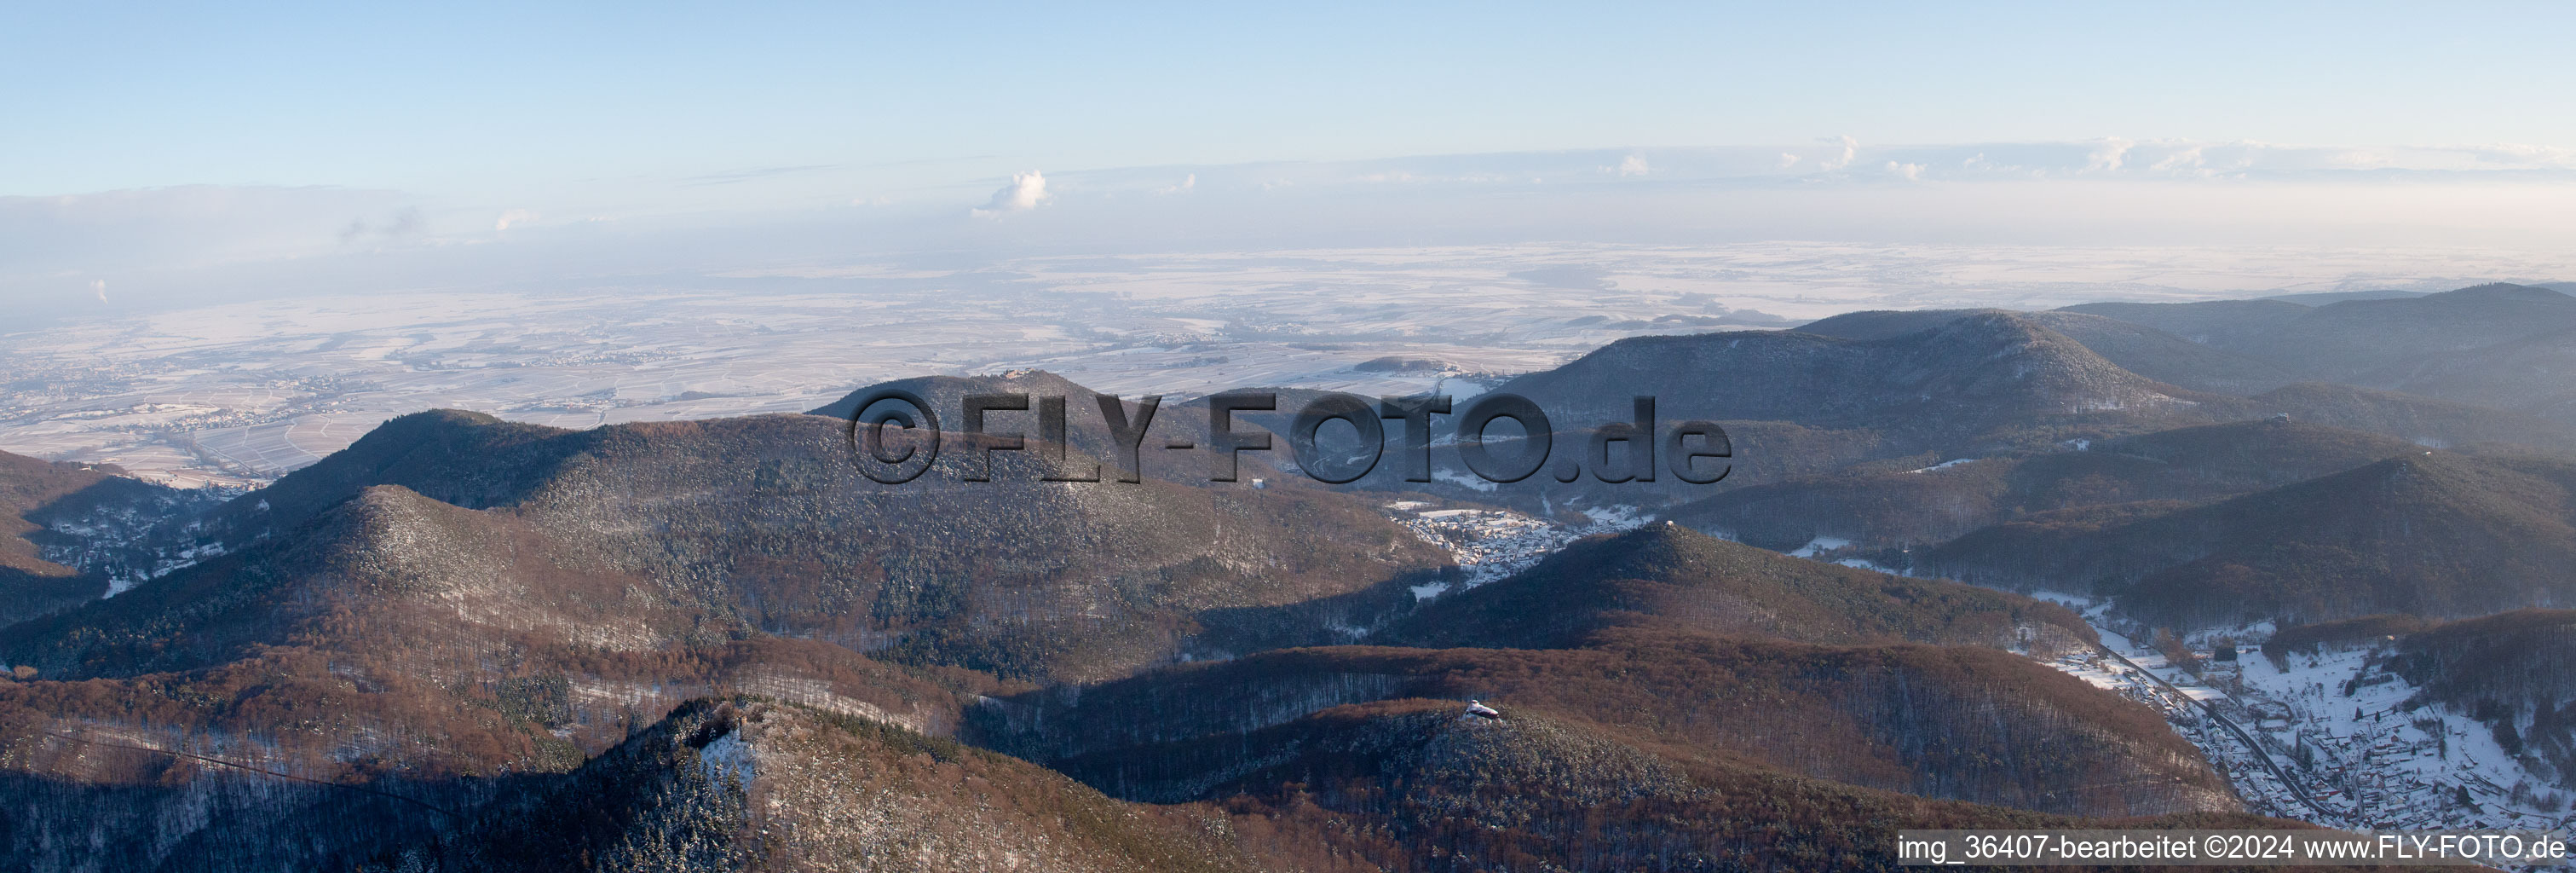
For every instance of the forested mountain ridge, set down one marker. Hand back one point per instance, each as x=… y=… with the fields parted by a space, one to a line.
x=2437 y=534
x=1881 y=509
x=2500 y=345
x=1674 y=577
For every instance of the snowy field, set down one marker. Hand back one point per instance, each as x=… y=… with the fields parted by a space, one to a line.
x=1490 y=544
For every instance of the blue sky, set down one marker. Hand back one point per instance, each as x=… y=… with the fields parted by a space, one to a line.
x=182 y=153
x=471 y=99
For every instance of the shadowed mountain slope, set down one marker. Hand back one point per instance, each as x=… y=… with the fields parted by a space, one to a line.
x=1409 y=785
x=2435 y=534
x=66 y=529
x=2534 y=374
x=1902 y=718
x=2424 y=421
x=1670 y=576
x=2345 y=341
x=1937 y=503
x=2497 y=345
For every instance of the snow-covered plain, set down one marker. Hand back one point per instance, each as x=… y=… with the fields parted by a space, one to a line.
x=240 y=392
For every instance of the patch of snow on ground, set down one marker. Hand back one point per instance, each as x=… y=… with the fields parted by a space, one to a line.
x=728 y=757
x=1462 y=480
x=1607 y=519
x=1490 y=544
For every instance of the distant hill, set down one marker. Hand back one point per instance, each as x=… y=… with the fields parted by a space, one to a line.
x=1985 y=379
x=2498 y=345
x=2534 y=374
x=2321 y=298
x=1879 y=324
x=2420 y=420
x=2222 y=324
x=1940 y=502
x=2436 y=535
x=2140 y=349
x=1966 y=376
x=2348 y=340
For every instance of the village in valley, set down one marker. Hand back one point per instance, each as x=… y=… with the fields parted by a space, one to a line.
x=2329 y=736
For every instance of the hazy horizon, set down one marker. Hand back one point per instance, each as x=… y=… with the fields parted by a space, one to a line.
x=178 y=158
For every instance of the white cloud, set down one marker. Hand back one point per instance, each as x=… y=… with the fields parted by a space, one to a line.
x=98 y=288
x=1633 y=165
x=2108 y=155
x=1977 y=163
x=161 y=244
x=1186 y=184
x=1788 y=160
x=515 y=216
x=403 y=225
x=1908 y=172
x=1851 y=149
x=1025 y=192
x=2520 y=153
x=2187 y=161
